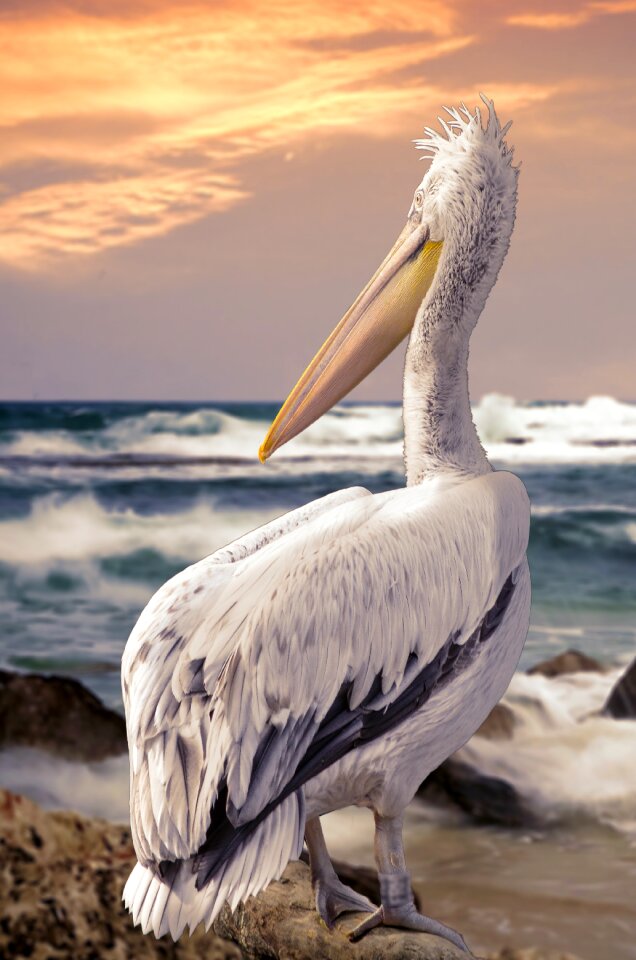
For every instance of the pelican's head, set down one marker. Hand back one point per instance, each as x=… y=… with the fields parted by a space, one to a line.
x=461 y=217
x=467 y=198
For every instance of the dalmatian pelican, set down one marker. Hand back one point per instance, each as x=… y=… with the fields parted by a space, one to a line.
x=339 y=654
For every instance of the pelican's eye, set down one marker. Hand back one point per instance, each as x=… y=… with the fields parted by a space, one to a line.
x=419 y=199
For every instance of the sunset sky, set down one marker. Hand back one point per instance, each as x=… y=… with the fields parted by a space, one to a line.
x=191 y=194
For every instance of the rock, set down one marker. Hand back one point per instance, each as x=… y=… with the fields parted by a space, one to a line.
x=621 y=702
x=485 y=799
x=61 y=880
x=57 y=714
x=571 y=661
x=499 y=724
x=281 y=924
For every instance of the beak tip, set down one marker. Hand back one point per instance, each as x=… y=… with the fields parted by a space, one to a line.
x=263 y=453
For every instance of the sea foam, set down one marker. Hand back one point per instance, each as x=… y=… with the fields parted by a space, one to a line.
x=566 y=759
x=79 y=528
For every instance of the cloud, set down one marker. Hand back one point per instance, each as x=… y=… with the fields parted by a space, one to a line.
x=550 y=21
x=561 y=20
x=156 y=104
x=53 y=222
x=157 y=110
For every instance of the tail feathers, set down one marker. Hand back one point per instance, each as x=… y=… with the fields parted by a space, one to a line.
x=169 y=904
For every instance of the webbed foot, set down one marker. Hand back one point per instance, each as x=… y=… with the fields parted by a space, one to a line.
x=333 y=899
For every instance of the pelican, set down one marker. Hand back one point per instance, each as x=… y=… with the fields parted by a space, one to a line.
x=337 y=655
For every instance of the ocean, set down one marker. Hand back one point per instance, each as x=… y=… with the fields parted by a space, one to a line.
x=102 y=502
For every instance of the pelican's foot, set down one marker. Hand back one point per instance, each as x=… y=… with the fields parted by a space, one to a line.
x=333 y=898
x=398 y=910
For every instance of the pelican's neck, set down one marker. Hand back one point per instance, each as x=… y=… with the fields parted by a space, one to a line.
x=469 y=199
x=439 y=433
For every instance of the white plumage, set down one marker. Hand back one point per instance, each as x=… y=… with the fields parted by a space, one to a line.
x=337 y=655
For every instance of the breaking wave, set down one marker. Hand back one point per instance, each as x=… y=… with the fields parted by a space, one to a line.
x=79 y=529
x=600 y=430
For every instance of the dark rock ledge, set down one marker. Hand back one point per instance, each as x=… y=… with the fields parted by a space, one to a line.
x=61 y=880
x=59 y=715
x=570 y=661
x=621 y=703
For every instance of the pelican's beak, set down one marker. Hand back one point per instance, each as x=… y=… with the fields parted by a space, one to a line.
x=378 y=321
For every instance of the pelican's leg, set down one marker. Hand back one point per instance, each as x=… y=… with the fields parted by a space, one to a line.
x=332 y=896
x=398 y=907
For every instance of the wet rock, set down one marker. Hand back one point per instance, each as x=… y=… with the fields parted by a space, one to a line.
x=499 y=724
x=621 y=702
x=61 y=879
x=57 y=714
x=485 y=799
x=571 y=661
x=282 y=924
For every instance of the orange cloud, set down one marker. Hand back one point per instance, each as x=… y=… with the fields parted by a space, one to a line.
x=573 y=18
x=86 y=217
x=550 y=21
x=156 y=109
x=131 y=121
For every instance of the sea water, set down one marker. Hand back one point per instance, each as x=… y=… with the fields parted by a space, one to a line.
x=102 y=502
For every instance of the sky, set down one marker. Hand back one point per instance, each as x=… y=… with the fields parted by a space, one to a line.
x=192 y=193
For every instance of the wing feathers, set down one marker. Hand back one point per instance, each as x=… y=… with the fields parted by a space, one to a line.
x=171 y=903
x=269 y=632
